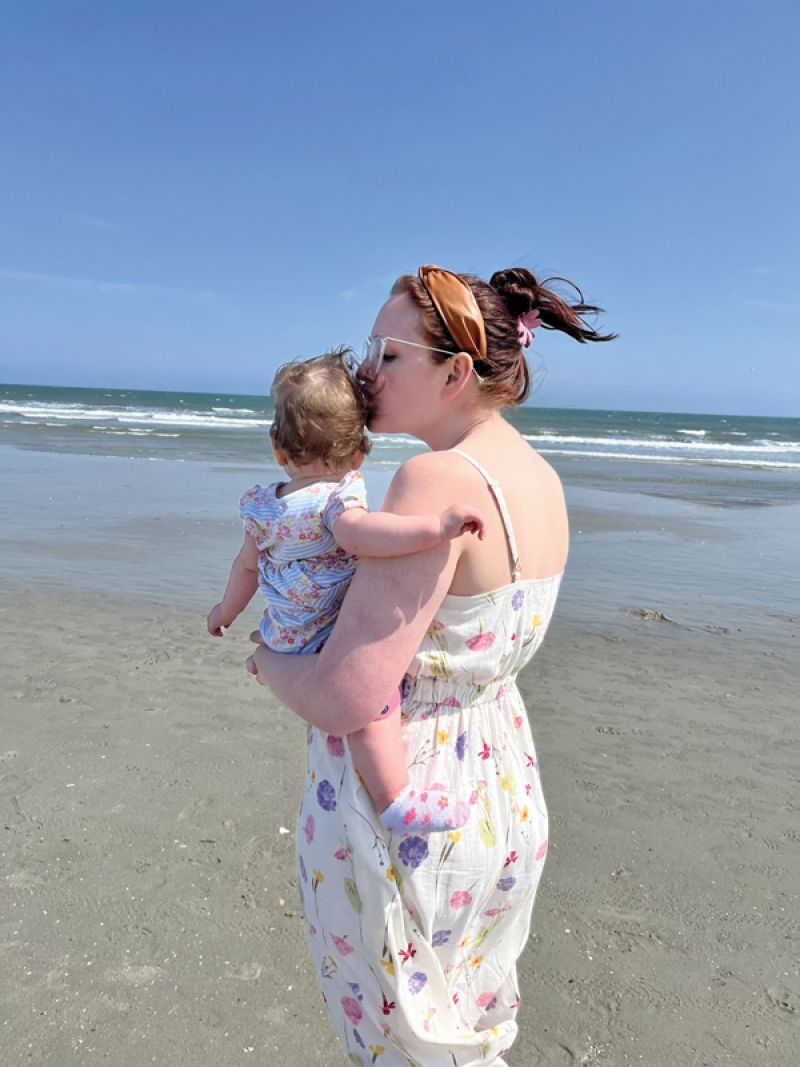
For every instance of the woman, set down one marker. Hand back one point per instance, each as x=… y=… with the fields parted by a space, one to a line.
x=415 y=938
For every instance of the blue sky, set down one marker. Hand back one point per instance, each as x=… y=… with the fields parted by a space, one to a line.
x=192 y=193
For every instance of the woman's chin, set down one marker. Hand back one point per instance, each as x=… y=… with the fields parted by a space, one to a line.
x=383 y=422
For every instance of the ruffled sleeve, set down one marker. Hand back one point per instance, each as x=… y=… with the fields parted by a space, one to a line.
x=257 y=515
x=351 y=492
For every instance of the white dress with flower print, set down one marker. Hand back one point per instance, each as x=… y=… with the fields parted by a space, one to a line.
x=415 y=939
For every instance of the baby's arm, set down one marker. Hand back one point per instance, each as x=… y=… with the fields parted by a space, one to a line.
x=379 y=533
x=242 y=584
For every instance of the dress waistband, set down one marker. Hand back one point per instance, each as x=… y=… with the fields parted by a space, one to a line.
x=424 y=690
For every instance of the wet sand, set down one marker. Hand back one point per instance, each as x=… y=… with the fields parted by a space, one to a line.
x=149 y=910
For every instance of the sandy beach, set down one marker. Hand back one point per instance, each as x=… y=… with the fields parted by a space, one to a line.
x=148 y=787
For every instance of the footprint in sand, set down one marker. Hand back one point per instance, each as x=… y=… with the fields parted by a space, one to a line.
x=144 y=974
x=246 y=972
x=784 y=999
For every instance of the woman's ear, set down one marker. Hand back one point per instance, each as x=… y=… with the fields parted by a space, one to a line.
x=459 y=370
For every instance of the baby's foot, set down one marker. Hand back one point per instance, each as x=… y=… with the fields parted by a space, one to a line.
x=424 y=812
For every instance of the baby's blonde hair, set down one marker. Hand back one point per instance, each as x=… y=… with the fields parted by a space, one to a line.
x=320 y=411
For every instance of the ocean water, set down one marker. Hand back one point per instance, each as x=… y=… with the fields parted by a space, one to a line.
x=136 y=493
x=229 y=428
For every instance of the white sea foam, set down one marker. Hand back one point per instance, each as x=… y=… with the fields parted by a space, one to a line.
x=132 y=431
x=131 y=416
x=194 y=419
x=662 y=443
x=56 y=411
x=787 y=446
x=635 y=441
x=397 y=441
x=714 y=462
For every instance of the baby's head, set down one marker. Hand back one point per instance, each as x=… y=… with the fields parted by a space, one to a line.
x=320 y=412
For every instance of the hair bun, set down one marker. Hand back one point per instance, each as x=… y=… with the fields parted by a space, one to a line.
x=522 y=292
x=518 y=288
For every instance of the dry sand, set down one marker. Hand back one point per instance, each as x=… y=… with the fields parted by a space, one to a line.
x=149 y=910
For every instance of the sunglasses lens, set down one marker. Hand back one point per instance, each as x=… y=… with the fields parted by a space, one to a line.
x=371 y=359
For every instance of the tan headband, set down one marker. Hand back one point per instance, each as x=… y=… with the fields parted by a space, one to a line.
x=457 y=307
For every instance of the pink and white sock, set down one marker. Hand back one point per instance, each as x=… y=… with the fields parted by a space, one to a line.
x=428 y=811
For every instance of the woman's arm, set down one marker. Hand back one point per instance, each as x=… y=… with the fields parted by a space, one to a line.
x=381 y=533
x=387 y=610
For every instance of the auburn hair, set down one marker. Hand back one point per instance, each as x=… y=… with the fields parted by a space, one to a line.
x=502 y=300
x=320 y=411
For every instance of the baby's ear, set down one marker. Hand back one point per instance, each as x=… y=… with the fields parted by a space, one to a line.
x=358 y=459
x=280 y=456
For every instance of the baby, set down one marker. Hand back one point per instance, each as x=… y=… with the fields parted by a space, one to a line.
x=300 y=543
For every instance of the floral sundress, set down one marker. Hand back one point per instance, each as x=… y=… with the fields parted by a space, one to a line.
x=414 y=938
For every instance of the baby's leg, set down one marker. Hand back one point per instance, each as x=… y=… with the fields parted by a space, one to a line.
x=379 y=757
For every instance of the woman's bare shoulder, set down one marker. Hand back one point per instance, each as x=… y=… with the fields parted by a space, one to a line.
x=428 y=476
x=549 y=476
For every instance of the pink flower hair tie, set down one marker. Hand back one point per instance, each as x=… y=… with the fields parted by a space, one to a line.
x=526 y=325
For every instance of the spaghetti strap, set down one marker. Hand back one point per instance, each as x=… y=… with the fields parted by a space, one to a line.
x=497 y=493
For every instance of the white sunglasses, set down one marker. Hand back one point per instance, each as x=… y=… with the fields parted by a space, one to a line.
x=369 y=365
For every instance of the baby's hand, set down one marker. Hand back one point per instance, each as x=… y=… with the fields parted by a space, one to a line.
x=461 y=519
x=216 y=622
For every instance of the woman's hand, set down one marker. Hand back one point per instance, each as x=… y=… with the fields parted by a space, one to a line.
x=251 y=664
